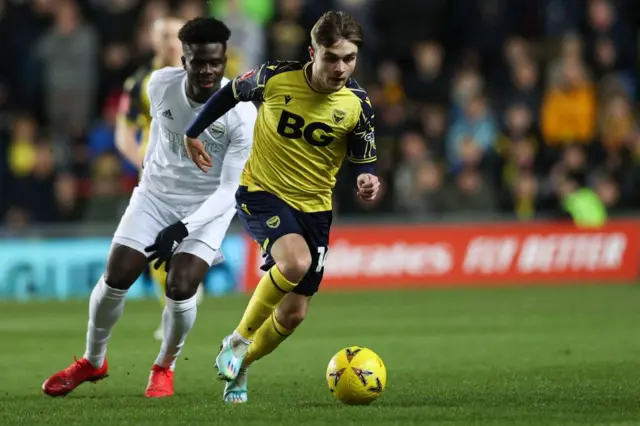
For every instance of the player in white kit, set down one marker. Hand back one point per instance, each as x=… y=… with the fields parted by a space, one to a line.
x=177 y=214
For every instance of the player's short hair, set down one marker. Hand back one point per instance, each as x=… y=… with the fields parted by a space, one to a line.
x=203 y=30
x=335 y=26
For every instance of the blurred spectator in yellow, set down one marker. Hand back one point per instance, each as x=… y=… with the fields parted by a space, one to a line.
x=107 y=201
x=390 y=79
x=569 y=107
x=617 y=123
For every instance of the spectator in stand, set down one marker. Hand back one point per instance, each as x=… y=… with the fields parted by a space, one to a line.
x=470 y=193
x=569 y=107
x=617 y=124
x=606 y=26
x=287 y=35
x=245 y=48
x=390 y=79
x=429 y=83
x=473 y=135
x=516 y=149
x=63 y=61
x=524 y=88
x=433 y=124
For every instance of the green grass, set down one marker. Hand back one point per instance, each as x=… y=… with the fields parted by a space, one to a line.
x=525 y=356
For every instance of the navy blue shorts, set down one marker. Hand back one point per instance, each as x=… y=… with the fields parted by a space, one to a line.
x=266 y=218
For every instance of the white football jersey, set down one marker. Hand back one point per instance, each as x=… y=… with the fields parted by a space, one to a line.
x=167 y=170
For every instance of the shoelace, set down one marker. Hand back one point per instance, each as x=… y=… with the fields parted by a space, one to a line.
x=76 y=366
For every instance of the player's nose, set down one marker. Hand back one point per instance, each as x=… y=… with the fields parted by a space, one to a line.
x=208 y=69
x=340 y=69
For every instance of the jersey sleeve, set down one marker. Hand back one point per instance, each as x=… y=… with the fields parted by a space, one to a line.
x=251 y=85
x=241 y=136
x=361 y=144
x=150 y=93
x=134 y=105
x=222 y=201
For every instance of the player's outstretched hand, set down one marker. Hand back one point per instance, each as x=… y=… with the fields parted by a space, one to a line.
x=368 y=186
x=166 y=243
x=197 y=154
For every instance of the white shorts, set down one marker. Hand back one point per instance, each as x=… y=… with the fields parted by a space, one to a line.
x=147 y=215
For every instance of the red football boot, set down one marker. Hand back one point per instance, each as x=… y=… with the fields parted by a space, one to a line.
x=160 y=382
x=65 y=381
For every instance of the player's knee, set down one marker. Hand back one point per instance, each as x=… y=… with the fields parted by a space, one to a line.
x=292 y=256
x=120 y=280
x=182 y=284
x=295 y=266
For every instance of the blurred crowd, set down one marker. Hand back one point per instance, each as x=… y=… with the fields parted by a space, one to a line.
x=482 y=106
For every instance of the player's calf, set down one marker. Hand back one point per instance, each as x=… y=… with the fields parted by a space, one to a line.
x=179 y=315
x=292 y=310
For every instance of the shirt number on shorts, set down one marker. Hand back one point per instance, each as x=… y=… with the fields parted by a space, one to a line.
x=322 y=257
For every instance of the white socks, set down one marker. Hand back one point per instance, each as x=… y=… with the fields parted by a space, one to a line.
x=105 y=308
x=239 y=344
x=177 y=320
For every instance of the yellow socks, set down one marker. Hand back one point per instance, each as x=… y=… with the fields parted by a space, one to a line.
x=268 y=337
x=159 y=277
x=271 y=289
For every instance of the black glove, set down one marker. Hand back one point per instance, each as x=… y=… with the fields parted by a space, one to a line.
x=166 y=243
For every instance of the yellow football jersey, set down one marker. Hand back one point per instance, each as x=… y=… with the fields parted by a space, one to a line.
x=302 y=136
x=137 y=110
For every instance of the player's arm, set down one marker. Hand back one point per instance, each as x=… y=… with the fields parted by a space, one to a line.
x=245 y=88
x=361 y=153
x=127 y=127
x=223 y=199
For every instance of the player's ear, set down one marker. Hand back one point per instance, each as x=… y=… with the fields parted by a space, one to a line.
x=312 y=52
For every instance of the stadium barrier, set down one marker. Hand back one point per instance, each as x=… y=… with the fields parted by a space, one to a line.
x=360 y=257
x=366 y=257
x=68 y=268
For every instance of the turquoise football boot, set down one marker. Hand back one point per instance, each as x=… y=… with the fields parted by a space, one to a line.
x=228 y=363
x=235 y=391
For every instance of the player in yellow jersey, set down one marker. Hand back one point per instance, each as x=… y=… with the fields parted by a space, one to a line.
x=311 y=116
x=134 y=118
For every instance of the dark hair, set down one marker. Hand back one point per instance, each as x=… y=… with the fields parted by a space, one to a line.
x=335 y=26
x=203 y=31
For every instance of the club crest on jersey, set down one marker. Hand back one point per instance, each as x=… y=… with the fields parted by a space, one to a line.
x=216 y=130
x=273 y=222
x=338 y=116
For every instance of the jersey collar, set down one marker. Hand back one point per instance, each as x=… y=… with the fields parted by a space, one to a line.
x=306 y=78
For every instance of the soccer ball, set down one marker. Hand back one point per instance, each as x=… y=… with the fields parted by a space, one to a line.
x=356 y=376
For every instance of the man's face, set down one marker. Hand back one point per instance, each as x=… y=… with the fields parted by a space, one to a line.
x=166 y=42
x=334 y=65
x=205 y=65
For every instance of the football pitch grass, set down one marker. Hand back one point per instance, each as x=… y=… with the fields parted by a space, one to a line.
x=516 y=356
